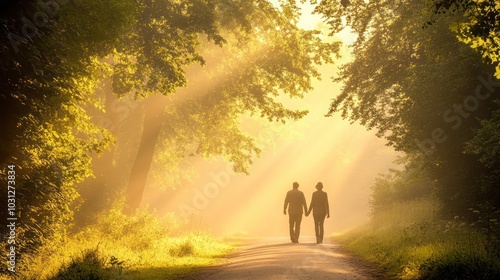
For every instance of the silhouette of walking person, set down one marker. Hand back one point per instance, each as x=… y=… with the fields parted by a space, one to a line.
x=320 y=208
x=295 y=201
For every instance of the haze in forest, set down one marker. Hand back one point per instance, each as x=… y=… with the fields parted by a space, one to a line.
x=346 y=157
x=134 y=133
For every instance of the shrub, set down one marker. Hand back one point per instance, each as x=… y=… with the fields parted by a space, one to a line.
x=138 y=232
x=90 y=266
x=182 y=249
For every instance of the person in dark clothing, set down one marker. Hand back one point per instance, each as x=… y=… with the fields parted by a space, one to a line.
x=320 y=208
x=296 y=203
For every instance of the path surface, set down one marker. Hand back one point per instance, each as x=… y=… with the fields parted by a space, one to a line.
x=277 y=258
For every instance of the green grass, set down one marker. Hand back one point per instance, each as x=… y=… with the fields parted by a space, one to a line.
x=119 y=247
x=407 y=241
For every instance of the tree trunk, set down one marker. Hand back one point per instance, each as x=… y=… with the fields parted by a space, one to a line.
x=152 y=123
x=154 y=118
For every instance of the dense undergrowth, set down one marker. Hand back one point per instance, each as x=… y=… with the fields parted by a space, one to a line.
x=144 y=246
x=409 y=241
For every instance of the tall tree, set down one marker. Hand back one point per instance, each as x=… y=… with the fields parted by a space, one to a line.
x=49 y=69
x=418 y=87
x=264 y=54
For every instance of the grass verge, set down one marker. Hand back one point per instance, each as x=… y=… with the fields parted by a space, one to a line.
x=409 y=242
x=120 y=247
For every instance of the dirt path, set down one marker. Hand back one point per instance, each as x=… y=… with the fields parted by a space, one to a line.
x=277 y=258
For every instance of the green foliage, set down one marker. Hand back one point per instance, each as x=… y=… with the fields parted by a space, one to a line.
x=48 y=134
x=479 y=27
x=408 y=241
x=139 y=232
x=117 y=246
x=485 y=141
x=153 y=53
x=406 y=82
x=400 y=186
x=89 y=266
x=485 y=147
x=408 y=65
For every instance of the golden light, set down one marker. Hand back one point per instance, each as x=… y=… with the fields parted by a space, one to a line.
x=344 y=156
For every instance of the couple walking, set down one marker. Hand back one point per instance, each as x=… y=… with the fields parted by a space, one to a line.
x=296 y=201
